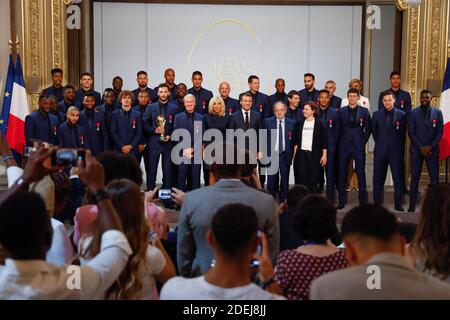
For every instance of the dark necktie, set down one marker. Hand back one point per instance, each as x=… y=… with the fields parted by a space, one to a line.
x=247 y=120
x=280 y=137
x=389 y=118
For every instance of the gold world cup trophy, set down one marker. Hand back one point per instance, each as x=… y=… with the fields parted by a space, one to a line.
x=160 y=123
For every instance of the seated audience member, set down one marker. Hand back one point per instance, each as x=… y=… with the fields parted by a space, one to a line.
x=233 y=238
x=250 y=176
x=315 y=221
x=26 y=275
x=375 y=249
x=429 y=252
x=289 y=239
x=194 y=256
x=148 y=261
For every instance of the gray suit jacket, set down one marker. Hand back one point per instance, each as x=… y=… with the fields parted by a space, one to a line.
x=194 y=255
x=398 y=281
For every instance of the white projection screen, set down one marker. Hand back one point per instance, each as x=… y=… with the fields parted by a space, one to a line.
x=227 y=42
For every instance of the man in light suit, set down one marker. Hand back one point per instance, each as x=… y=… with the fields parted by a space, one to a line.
x=199 y=206
x=375 y=249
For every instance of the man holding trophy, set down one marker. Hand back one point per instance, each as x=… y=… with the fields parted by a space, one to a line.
x=158 y=123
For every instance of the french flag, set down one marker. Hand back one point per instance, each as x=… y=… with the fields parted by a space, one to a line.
x=444 y=145
x=15 y=133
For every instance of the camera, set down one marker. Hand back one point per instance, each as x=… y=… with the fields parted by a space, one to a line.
x=68 y=157
x=165 y=194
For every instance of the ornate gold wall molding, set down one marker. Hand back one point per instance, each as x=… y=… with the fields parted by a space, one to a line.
x=43 y=37
x=410 y=51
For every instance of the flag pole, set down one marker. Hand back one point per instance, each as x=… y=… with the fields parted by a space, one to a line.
x=10 y=45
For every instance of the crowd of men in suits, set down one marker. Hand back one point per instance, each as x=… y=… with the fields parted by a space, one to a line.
x=141 y=123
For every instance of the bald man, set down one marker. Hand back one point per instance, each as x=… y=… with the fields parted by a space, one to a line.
x=231 y=105
x=169 y=76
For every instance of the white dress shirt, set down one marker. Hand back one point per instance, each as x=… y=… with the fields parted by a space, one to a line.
x=61 y=252
x=249 y=115
x=277 y=147
x=38 y=279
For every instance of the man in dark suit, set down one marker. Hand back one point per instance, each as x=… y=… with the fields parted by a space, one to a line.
x=108 y=107
x=181 y=93
x=279 y=95
x=56 y=89
x=41 y=125
x=309 y=93
x=335 y=101
x=280 y=145
x=250 y=122
x=93 y=121
x=388 y=130
x=355 y=128
x=402 y=97
x=86 y=83
x=426 y=127
x=143 y=103
x=53 y=102
x=189 y=171
x=231 y=105
x=294 y=111
x=402 y=102
x=126 y=126
x=158 y=124
x=169 y=76
x=71 y=134
x=201 y=95
x=68 y=100
x=142 y=80
x=260 y=101
x=117 y=85
x=330 y=119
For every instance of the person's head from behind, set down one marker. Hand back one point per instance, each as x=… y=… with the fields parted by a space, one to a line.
x=233 y=234
x=315 y=219
x=25 y=229
x=295 y=195
x=226 y=162
x=249 y=171
x=63 y=188
x=431 y=243
x=120 y=166
x=369 y=230
x=128 y=202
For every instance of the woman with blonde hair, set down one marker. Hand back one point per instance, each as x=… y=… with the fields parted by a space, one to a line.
x=216 y=118
x=149 y=260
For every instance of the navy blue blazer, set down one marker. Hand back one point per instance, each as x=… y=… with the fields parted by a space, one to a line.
x=182 y=122
x=289 y=132
x=237 y=121
x=54 y=91
x=261 y=104
x=283 y=97
x=151 y=94
x=231 y=105
x=60 y=116
x=124 y=132
x=144 y=135
x=149 y=123
x=335 y=102
x=79 y=97
x=296 y=115
x=425 y=132
x=331 y=123
x=389 y=138
x=98 y=136
x=202 y=98
x=358 y=133
x=65 y=137
x=63 y=105
x=306 y=96
x=402 y=100
x=39 y=127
